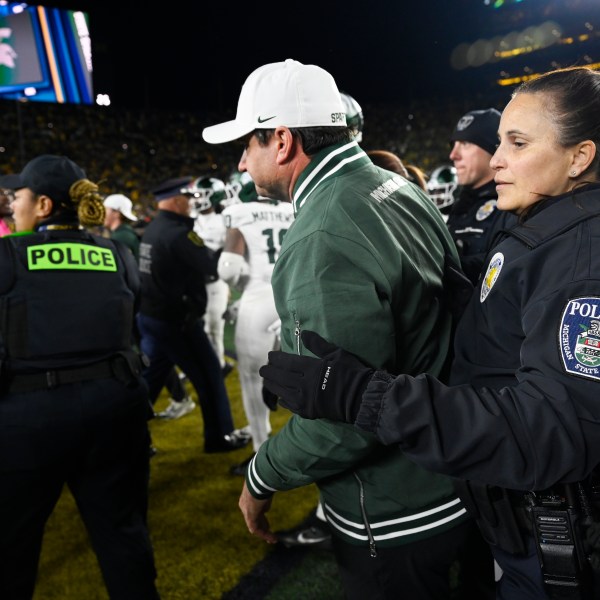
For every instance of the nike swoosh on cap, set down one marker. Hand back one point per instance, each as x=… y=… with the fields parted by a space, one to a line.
x=267 y=119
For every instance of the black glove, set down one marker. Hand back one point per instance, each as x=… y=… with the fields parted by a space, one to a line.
x=331 y=386
x=269 y=398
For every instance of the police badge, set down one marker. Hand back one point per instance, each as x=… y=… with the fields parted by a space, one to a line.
x=485 y=210
x=195 y=238
x=491 y=275
x=579 y=337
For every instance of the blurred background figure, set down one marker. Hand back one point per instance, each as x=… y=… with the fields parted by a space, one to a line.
x=354 y=116
x=417 y=176
x=118 y=218
x=255 y=231
x=209 y=196
x=441 y=186
x=392 y=162
x=473 y=218
x=6 y=221
x=243 y=186
x=175 y=265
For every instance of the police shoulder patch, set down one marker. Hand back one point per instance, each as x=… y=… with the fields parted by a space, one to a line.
x=491 y=275
x=195 y=239
x=485 y=210
x=579 y=337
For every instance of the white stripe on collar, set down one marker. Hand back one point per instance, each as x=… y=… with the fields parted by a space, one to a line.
x=318 y=168
x=336 y=168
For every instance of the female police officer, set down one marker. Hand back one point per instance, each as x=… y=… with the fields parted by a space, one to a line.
x=522 y=411
x=73 y=408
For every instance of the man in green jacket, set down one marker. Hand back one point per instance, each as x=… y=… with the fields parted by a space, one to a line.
x=365 y=256
x=119 y=215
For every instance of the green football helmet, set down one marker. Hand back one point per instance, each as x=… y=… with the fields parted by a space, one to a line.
x=354 y=115
x=441 y=185
x=208 y=192
x=243 y=186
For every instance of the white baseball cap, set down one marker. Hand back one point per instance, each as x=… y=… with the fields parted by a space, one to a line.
x=284 y=93
x=121 y=203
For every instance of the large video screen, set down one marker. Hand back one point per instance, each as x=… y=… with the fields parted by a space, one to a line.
x=45 y=54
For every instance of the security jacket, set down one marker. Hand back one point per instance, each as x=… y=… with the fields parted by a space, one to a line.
x=523 y=411
x=175 y=266
x=67 y=298
x=362 y=265
x=474 y=221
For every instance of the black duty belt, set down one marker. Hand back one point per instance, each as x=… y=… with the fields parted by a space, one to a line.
x=31 y=382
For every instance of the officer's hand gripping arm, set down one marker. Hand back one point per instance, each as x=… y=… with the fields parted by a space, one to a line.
x=329 y=386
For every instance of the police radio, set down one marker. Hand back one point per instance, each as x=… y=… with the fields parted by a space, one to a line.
x=560 y=517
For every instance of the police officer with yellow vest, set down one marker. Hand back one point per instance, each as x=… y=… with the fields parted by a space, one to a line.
x=73 y=405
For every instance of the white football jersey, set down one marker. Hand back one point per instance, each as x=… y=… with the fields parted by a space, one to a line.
x=263 y=225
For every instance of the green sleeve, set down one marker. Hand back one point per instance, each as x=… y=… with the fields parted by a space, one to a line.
x=306 y=451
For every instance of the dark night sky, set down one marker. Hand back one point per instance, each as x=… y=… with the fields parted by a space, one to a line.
x=196 y=55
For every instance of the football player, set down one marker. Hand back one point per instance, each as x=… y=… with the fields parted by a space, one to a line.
x=255 y=230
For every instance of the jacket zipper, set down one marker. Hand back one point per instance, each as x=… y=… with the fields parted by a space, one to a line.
x=372 y=548
x=297 y=331
x=363 y=511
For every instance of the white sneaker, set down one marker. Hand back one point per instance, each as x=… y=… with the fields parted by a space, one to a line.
x=176 y=410
x=242 y=434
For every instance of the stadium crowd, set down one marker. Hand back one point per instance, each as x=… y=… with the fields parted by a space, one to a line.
x=130 y=151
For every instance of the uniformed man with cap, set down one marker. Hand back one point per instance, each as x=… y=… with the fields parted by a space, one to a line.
x=474 y=219
x=73 y=406
x=119 y=215
x=175 y=265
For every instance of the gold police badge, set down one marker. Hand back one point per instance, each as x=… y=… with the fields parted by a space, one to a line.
x=491 y=275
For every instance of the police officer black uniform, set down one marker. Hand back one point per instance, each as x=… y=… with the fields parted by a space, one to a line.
x=473 y=219
x=473 y=222
x=174 y=266
x=73 y=406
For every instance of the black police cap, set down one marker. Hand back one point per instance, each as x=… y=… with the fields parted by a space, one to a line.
x=171 y=187
x=480 y=127
x=46 y=174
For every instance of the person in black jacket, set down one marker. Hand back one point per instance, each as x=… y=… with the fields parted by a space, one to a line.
x=473 y=218
x=519 y=422
x=73 y=406
x=175 y=266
